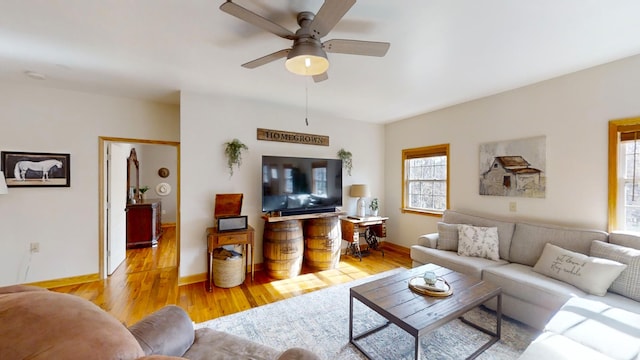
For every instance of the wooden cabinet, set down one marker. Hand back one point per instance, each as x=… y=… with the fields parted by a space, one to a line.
x=143 y=223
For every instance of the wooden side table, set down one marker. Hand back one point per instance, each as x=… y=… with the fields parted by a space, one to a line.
x=216 y=239
x=143 y=224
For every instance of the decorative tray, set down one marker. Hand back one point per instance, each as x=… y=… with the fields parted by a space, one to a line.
x=440 y=289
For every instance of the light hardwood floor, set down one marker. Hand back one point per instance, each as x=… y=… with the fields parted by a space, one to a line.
x=148 y=280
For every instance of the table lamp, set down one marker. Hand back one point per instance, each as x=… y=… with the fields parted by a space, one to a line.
x=360 y=191
x=3 y=184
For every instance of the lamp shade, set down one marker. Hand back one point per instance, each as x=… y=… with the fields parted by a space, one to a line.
x=307 y=58
x=3 y=184
x=359 y=190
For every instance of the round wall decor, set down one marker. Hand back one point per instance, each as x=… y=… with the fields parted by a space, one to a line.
x=163 y=189
x=163 y=172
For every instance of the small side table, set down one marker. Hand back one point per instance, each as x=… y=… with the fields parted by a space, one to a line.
x=216 y=239
x=351 y=228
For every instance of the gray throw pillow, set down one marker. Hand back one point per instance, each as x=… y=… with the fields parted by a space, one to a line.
x=447 y=237
x=627 y=283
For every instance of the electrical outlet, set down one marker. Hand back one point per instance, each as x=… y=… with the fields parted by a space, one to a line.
x=512 y=206
x=35 y=247
x=164 y=212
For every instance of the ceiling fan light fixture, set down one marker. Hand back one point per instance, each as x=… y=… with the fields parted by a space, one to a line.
x=307 y=59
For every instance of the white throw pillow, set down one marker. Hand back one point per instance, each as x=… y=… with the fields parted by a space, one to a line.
x=447 y=236
x=478 y=241
x=590 y=274
x=628 y=283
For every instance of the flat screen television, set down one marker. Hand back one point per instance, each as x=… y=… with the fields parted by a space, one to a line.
x=295 y=185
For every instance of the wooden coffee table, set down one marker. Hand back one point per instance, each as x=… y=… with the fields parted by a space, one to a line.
x=420 y=314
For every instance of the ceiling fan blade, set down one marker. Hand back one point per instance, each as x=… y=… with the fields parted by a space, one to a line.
x=320 y=77
x=266 y=59
x=356 y=47
x=328 y=16
x=255 y=19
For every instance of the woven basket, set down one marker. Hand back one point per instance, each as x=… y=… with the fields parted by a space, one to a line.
x=228 y=273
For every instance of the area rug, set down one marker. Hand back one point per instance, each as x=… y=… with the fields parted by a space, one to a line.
x=319 y=321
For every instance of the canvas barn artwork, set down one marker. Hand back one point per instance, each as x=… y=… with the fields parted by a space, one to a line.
x=514 y=168
x=28 y=169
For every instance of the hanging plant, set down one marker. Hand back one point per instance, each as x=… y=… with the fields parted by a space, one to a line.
x=233 y=151
x=347 y=163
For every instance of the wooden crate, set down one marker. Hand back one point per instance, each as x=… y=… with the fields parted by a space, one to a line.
x=228 y=205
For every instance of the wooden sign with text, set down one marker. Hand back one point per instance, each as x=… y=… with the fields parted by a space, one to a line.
x=292 y=137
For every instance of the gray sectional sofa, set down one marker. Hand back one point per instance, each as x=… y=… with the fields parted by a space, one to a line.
x=529 y=294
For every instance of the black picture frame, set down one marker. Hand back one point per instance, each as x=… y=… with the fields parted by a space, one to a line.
x=33 y=171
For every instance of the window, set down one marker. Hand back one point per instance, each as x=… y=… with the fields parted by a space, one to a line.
x=288 y=179
x=319 y=172
x=624 y=175
x=425 y=174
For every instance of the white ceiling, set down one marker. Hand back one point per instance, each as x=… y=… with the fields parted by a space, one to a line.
x=443 y=52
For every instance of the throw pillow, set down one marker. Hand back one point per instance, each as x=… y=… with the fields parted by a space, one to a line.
x=627 y=283
x=447 y=236
x=478 y=241
x=590 y=274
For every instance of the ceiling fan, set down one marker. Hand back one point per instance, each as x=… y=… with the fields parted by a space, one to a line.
x=308 y=55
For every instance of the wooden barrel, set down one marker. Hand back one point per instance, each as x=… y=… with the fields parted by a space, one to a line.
x=322 y=242
x=283 y=247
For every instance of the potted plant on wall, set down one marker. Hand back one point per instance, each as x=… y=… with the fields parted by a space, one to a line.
x=233 y=151
x=345 y=156
x=373 y=205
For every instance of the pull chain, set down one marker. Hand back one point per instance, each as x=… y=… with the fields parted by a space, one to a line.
x=306 y=105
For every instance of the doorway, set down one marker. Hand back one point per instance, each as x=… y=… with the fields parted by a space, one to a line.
x=154 y=177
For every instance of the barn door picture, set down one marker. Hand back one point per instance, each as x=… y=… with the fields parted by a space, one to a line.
x=514 y=168
x=28 y=169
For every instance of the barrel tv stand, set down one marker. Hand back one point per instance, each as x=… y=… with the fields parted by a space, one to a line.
x=290 y=240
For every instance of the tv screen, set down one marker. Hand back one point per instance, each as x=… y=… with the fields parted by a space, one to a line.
x=294 y=185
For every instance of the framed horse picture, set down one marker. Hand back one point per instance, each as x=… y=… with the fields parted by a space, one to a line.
x=30 y=169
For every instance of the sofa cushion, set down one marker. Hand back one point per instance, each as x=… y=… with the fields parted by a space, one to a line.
x=298 y=354
x=61 y=326
x=451 y=260
x=606 y=329
x=522 y=282
x=625 y=239
x=529 y=240
x=478 y=241
x=616 y=300
x=550 y=346
x=211 y=344
x=627 y=283
x=505 y=228
x=593 y=275
x=168 y=331
x=447 y=236
x=20 y=288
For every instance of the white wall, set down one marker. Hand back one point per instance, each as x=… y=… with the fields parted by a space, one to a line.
x=64 y=220
x=208 y=121
x=571 y=111
x=153 y=157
